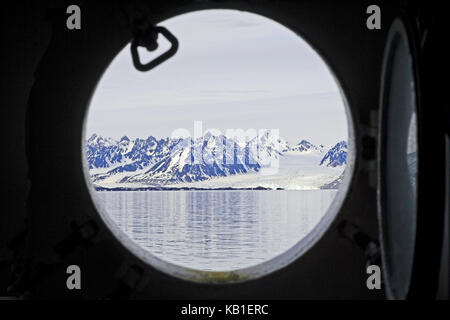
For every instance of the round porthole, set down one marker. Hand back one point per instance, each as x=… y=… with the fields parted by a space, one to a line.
x=398 y=164
x=227 y=161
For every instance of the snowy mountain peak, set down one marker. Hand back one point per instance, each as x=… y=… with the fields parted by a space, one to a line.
x=336 y=156
x=271 y=141
x=306 y=146
x=92 y=138
x=96 y=139
x=342 y=144
x=305 y=143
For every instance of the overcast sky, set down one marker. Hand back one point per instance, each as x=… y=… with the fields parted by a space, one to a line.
x=233 y=70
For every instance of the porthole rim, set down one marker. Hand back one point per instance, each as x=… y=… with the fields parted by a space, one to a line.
x=264 y=268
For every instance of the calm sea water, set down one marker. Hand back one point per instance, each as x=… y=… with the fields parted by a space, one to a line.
x=216 y=230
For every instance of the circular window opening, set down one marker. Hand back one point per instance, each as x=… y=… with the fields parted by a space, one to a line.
x=227 y=161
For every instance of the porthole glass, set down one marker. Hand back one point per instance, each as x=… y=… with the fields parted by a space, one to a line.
x=227 y=161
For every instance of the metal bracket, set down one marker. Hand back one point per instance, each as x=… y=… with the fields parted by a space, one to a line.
x=137 y=41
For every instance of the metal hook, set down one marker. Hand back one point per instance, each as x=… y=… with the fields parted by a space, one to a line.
x=163 y=57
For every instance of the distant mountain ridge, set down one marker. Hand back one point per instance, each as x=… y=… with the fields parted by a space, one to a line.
x=336 y=156
x=157 y=162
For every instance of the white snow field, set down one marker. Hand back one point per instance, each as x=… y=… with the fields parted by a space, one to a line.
x=297 y=171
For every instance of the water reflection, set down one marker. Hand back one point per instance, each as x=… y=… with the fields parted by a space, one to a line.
x=216 y=230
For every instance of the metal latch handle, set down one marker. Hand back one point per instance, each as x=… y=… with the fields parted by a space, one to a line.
x=158 y=60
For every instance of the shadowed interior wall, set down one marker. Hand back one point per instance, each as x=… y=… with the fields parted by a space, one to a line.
x=54 y=72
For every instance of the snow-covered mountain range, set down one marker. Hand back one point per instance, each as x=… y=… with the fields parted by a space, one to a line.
x=213 y=161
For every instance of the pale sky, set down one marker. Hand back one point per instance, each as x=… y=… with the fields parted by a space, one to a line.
x=233 y=69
